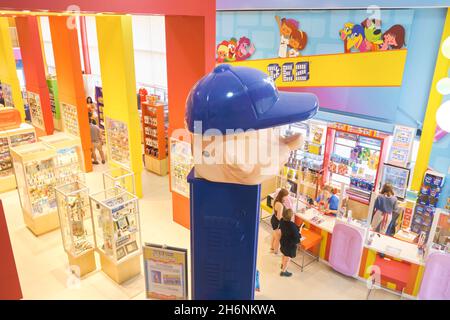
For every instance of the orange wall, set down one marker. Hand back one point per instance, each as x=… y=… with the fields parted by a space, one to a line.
x=190 y=55
x=33 y=66
x=70 y=79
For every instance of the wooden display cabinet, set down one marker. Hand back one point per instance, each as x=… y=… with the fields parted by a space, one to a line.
x=154 y=124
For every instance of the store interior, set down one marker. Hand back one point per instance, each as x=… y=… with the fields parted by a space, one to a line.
x=76 y=226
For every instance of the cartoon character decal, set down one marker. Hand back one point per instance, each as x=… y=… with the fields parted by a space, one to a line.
x=292 y=39
x=233 y=50
x=367 y=36
x=245 y=49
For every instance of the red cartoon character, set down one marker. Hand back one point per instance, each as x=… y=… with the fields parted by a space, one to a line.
x=232 y=44
x=244 y=49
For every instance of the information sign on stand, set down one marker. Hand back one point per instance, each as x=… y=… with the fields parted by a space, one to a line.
x=165 y=272
x=181 y=163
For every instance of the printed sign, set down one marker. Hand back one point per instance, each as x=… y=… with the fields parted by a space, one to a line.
x=402 y=143
x=165 y=272
x=181 y=163
x=289 y=71
x=34 y=102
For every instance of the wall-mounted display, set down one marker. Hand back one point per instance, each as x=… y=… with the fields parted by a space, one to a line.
x=117 y=142
x=166 y=273
x=12 y=138
x=181 y=163
x=70 y=119
x=234 y=50
x=34 y=103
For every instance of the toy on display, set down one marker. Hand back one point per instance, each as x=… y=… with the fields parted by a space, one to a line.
x=70 y=119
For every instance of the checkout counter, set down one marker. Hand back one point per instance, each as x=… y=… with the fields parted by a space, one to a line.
x=404 y=259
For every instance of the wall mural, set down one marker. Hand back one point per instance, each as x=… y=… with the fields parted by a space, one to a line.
x=292 y=39
x=367 y=36
x=232 y=50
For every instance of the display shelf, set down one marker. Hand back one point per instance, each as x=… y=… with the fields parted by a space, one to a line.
x=67 y=163
x=76 y=226
x=117 y=142
x=36 y=181
x=119 y=177
x=154 y=125
x=12 y=138
x=115 y=215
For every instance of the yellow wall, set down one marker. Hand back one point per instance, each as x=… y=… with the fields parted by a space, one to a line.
x=429 y=123
x=8 y=72
x=115 y=44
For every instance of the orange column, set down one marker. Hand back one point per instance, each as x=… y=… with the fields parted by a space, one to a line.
x=190 y=55
x=70 y=79
x=34 y=70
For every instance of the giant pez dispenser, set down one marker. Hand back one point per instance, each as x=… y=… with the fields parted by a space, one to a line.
x=234 y=114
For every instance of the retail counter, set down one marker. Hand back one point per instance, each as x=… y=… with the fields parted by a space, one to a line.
x=391 y=248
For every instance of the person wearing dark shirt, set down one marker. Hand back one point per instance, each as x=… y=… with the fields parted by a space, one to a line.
x=290 y=238
x=385 y=210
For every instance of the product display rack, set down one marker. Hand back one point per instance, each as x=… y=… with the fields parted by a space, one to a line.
x=12 y=138
x=76 y=227
x=155 y=125
x=68 y=160
x=70 y=119
x=36 y=181
x=427 y=200
x=115 y=218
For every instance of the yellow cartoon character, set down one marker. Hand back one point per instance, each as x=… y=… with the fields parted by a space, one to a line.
x=373 y=160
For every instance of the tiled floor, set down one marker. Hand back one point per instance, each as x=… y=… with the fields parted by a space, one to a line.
x=43 y=267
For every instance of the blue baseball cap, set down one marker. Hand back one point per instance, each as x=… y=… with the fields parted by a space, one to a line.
x=244 y=98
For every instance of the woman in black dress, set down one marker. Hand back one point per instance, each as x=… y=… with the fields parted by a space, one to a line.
x=278 y=207
x=290 y=238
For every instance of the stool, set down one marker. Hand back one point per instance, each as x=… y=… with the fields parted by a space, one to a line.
x=309 y=240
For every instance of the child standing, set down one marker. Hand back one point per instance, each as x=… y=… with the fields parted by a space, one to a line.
x=290 y=238
x=328 y=201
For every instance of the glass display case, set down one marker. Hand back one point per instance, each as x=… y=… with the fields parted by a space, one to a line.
x=12 y=138
x=76 y=227
x=36 y=181
x=117 y=142
x=115 y=214
x=119 y=177
x=67 y=163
